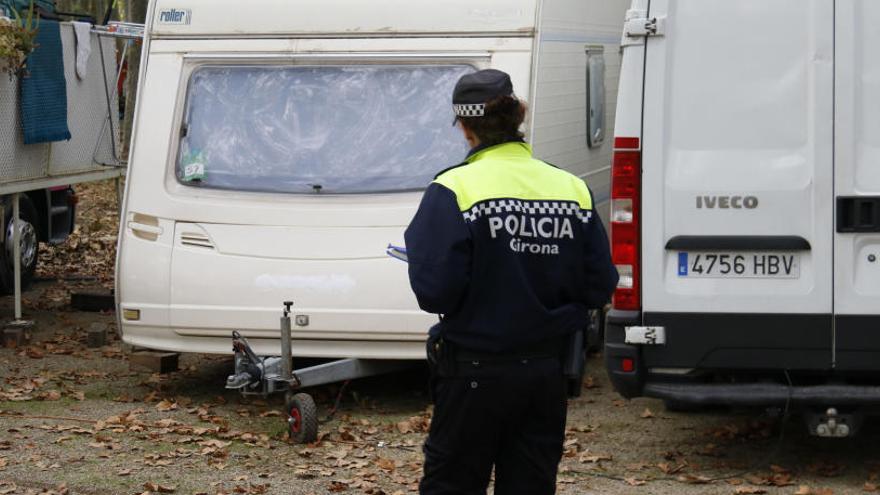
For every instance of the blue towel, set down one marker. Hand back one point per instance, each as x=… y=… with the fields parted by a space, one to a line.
x=43 y=99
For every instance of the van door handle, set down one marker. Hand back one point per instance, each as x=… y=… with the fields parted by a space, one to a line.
x=145 y=229
x=858 y=214
x=739 y=243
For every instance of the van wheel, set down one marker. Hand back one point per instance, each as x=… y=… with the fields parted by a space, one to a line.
x=302 y=418
x=30 y=246
x=681 y=407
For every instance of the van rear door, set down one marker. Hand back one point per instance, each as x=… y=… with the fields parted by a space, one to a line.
x=737 y=194
x=857 y=185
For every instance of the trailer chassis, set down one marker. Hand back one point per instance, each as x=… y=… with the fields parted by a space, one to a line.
x=266 y=375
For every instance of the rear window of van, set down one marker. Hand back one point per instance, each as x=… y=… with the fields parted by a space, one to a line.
x=331 y=129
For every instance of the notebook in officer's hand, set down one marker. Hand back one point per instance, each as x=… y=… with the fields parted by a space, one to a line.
x=397 y=252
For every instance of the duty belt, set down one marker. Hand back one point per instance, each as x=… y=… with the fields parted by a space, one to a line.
x=545 y=350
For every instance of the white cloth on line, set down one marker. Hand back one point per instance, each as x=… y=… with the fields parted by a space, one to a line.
x=83 y=32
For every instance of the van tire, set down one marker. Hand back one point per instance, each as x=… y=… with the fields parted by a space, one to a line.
x=30 y=253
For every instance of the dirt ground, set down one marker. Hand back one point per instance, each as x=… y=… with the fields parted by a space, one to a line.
x=82 y=420
x=79 y=420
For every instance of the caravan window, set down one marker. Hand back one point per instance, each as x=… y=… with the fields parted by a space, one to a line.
x=595 y=95
x=331 y=129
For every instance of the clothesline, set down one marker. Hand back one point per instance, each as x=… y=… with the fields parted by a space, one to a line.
x=115 y=29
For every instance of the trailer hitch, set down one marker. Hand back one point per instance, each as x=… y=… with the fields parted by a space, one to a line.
x=255 y=375
x=833 y=424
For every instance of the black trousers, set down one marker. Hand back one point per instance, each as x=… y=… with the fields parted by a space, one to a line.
x=510 y=415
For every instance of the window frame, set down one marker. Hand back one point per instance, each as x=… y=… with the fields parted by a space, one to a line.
x=193 y=63
x=598 y=120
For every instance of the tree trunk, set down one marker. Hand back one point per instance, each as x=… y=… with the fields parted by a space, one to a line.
x=136 y=12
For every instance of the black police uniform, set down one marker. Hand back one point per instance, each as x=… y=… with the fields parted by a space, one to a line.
x=510 y=252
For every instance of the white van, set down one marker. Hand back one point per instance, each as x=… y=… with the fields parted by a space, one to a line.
x=746 y=204
x=280 y=146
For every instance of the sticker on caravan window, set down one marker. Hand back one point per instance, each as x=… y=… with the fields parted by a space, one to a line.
x=194 y=168
x=178 y=17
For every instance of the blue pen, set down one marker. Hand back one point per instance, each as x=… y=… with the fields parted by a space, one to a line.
x=397 y=252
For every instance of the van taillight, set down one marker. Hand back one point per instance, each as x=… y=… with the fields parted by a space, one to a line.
x=626 y=175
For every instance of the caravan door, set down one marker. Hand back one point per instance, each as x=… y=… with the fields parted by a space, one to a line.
x=857 y=186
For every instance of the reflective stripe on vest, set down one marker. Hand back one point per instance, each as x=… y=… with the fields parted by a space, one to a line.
x=508 y=171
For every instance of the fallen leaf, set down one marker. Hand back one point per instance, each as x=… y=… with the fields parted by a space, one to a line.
x=51 y=395
x=34 y=353
x=166 y=405
x=694 y=479
x=155 y=487
x=593 y=458
x=669 y=469
x=634 y=482
x=749 y=490
x=781 y=479
x=337 y=486
x=806 y=490
x=211 y=442
x=385 y=464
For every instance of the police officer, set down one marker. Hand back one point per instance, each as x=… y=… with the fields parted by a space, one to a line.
x=509 y=251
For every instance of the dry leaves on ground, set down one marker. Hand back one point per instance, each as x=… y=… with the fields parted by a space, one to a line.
x=90 y=251
x=807 y=490
x=749 y=490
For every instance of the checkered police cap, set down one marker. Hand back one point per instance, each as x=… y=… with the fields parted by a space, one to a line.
x=473 y=90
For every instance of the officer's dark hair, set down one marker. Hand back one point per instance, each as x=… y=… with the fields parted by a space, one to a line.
x=500 y=123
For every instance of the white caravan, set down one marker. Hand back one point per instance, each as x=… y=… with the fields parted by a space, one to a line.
x=746 y=205
x=280 y=146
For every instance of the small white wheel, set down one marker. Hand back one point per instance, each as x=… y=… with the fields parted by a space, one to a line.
x=302 y=418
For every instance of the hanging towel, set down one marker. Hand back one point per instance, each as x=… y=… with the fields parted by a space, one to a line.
x=83 y=32
x=43 y=99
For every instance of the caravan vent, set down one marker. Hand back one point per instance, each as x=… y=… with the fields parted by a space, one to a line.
x=196 y=240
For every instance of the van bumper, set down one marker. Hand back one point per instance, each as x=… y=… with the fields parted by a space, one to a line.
x=764 y=394
x=755 y=347
x=627 y=383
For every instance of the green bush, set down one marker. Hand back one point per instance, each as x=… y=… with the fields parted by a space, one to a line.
x=17 y=40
